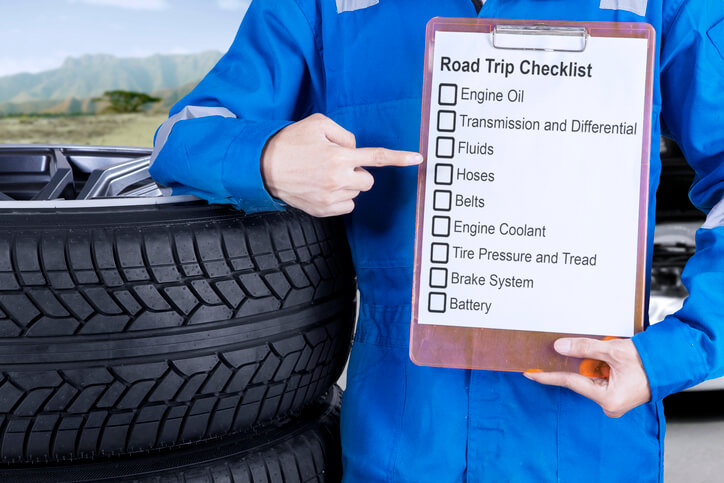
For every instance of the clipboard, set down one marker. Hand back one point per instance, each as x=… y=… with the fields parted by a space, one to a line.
x=439 y=336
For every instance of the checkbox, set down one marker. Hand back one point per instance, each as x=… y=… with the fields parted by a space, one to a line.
x=448 y=94
x=446 y=121
x=437 y=301
x=440 y=226
x=444 y=174
x=438 y=277
x=442 y=200
x=445 y=147
x=440 y=253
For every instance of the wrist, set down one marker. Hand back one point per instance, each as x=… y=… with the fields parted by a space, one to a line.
x=265 y=168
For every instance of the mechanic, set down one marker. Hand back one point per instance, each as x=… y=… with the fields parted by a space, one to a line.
x=317 y=106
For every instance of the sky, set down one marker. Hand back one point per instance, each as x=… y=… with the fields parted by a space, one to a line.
x=37 y=35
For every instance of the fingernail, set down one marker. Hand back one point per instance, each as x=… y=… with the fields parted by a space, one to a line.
x=528 y=373
x=562 y=346
x=415 y=158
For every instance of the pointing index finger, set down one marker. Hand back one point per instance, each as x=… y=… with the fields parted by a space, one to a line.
x=377 y=157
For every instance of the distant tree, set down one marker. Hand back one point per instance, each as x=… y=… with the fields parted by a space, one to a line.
x=126 y=101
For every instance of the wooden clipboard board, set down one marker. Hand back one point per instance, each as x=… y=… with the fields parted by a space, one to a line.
x=433 y=343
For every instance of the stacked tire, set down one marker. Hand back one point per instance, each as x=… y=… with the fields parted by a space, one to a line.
x=171 y=341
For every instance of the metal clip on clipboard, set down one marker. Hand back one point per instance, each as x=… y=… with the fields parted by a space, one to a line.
x=544 y=38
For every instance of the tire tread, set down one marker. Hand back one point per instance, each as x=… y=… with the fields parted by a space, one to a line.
x=125 y=282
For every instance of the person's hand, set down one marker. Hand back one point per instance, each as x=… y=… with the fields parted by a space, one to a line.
x=314 y=165
x=626 y=385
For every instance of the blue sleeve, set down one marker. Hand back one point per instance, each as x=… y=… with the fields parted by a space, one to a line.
x=270 y=77
x=687 y=347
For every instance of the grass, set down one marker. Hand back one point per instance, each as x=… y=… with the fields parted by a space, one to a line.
x=101 y=130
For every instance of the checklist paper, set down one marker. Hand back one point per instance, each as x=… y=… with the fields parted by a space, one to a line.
x=532 y=200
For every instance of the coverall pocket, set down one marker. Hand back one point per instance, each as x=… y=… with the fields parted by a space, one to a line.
x=372 y=412
x=384 y=325
x=593 y=447
x=393 y=409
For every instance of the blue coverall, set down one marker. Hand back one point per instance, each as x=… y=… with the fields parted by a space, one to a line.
x=360 y=62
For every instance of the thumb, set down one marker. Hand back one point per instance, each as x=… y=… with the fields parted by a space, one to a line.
x=339 y=135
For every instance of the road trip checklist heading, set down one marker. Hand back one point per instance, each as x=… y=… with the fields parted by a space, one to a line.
x=532 y=199
x=525 y=67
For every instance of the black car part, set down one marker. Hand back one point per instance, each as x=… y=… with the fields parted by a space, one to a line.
x=131 y=320
x=304 y=449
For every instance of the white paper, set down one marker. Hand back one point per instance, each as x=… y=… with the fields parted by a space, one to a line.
x=575 y=195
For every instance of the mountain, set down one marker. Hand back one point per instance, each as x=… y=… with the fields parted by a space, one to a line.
x=169 y=97
x=91 y=75
x=88 y=105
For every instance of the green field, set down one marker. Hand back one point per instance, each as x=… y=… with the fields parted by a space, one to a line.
x=100 y=130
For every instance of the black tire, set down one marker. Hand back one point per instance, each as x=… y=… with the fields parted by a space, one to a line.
x=127 y=329
x=306 y=449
